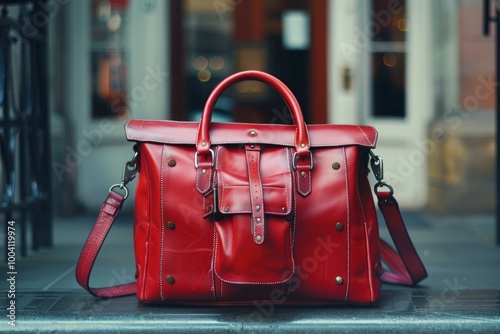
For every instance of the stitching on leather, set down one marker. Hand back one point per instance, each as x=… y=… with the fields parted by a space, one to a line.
x=309 y=181
x=171 y=142
x=348 y=221
x=162 y=220
x=292 y=230
x=244 y=141
x=214 y=252
x=222 y=192
x=299 y=188
x=309 y=176
x=251 y=195
x=161 y=259
x=368 y=140
x=215 y=260
x=287 y=183
x=100 y=217
x=287 y=179
x=208 y=174
x=256 y=283
x=247 y=154
x=367 y=241
x=82 y=272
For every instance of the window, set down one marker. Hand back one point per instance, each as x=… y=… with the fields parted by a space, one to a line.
x=387 y=28
x=109 y=58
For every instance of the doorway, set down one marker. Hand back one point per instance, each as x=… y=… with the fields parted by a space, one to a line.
x=380 y=74
x=211 y=40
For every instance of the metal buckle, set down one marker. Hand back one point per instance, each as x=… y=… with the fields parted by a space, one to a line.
x=296 y=156
x=196 y=158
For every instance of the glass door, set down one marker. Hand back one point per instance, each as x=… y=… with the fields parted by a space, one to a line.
x=220 y=38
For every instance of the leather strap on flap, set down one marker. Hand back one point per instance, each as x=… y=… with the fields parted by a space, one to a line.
x=256 y=194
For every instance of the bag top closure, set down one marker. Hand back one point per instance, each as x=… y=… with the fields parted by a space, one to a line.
x=184 y=133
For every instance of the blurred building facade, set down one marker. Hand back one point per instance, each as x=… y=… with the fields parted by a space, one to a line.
x=421 y=72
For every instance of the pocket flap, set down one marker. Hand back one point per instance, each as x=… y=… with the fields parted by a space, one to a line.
x=233 y=184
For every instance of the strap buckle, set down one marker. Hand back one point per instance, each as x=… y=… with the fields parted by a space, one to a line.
x=212 y=154
x=296 y=157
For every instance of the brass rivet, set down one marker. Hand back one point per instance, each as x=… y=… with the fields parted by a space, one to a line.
x=203 y=171
x=339 y=280
x=170 y=279
x=339 y=226
x=203 y=144
x=171 y=225
x=259 y=238
x=259 y=220
x=302 y=174
x=257 y=208
x=226 y=209
x=283 y=209
x=253 y=133
x=302 y=145
x=172 y=163
x=335 y=165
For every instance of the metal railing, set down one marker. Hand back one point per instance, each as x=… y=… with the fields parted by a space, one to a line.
x=25 y=182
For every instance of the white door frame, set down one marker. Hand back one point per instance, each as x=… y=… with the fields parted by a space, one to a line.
x=99 y=148
x=402 y=143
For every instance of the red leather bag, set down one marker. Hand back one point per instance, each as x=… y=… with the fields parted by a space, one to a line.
x=230 y=213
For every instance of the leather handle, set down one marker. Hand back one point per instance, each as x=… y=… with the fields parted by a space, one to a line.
x=301 y=139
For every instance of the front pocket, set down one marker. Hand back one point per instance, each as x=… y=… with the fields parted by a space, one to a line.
x=238 y=259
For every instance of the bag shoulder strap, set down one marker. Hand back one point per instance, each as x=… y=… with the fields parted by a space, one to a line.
x=107 y=215
x=405 y=266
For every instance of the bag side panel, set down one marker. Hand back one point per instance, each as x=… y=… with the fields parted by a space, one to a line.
x=364 y=286
x=367 y=206
x=182 y=241
x=144 y=215
x=330 y=241
x=320 y=248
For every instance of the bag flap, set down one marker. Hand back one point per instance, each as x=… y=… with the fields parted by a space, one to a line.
x=235 y=200
x=173 y=132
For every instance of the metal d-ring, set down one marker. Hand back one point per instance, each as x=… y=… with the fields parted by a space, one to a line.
x=121 y=186
x=381 y=184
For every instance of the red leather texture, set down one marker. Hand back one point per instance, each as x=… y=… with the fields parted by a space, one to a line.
x=253 y=215
x=107 y=215
x=411 y=270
